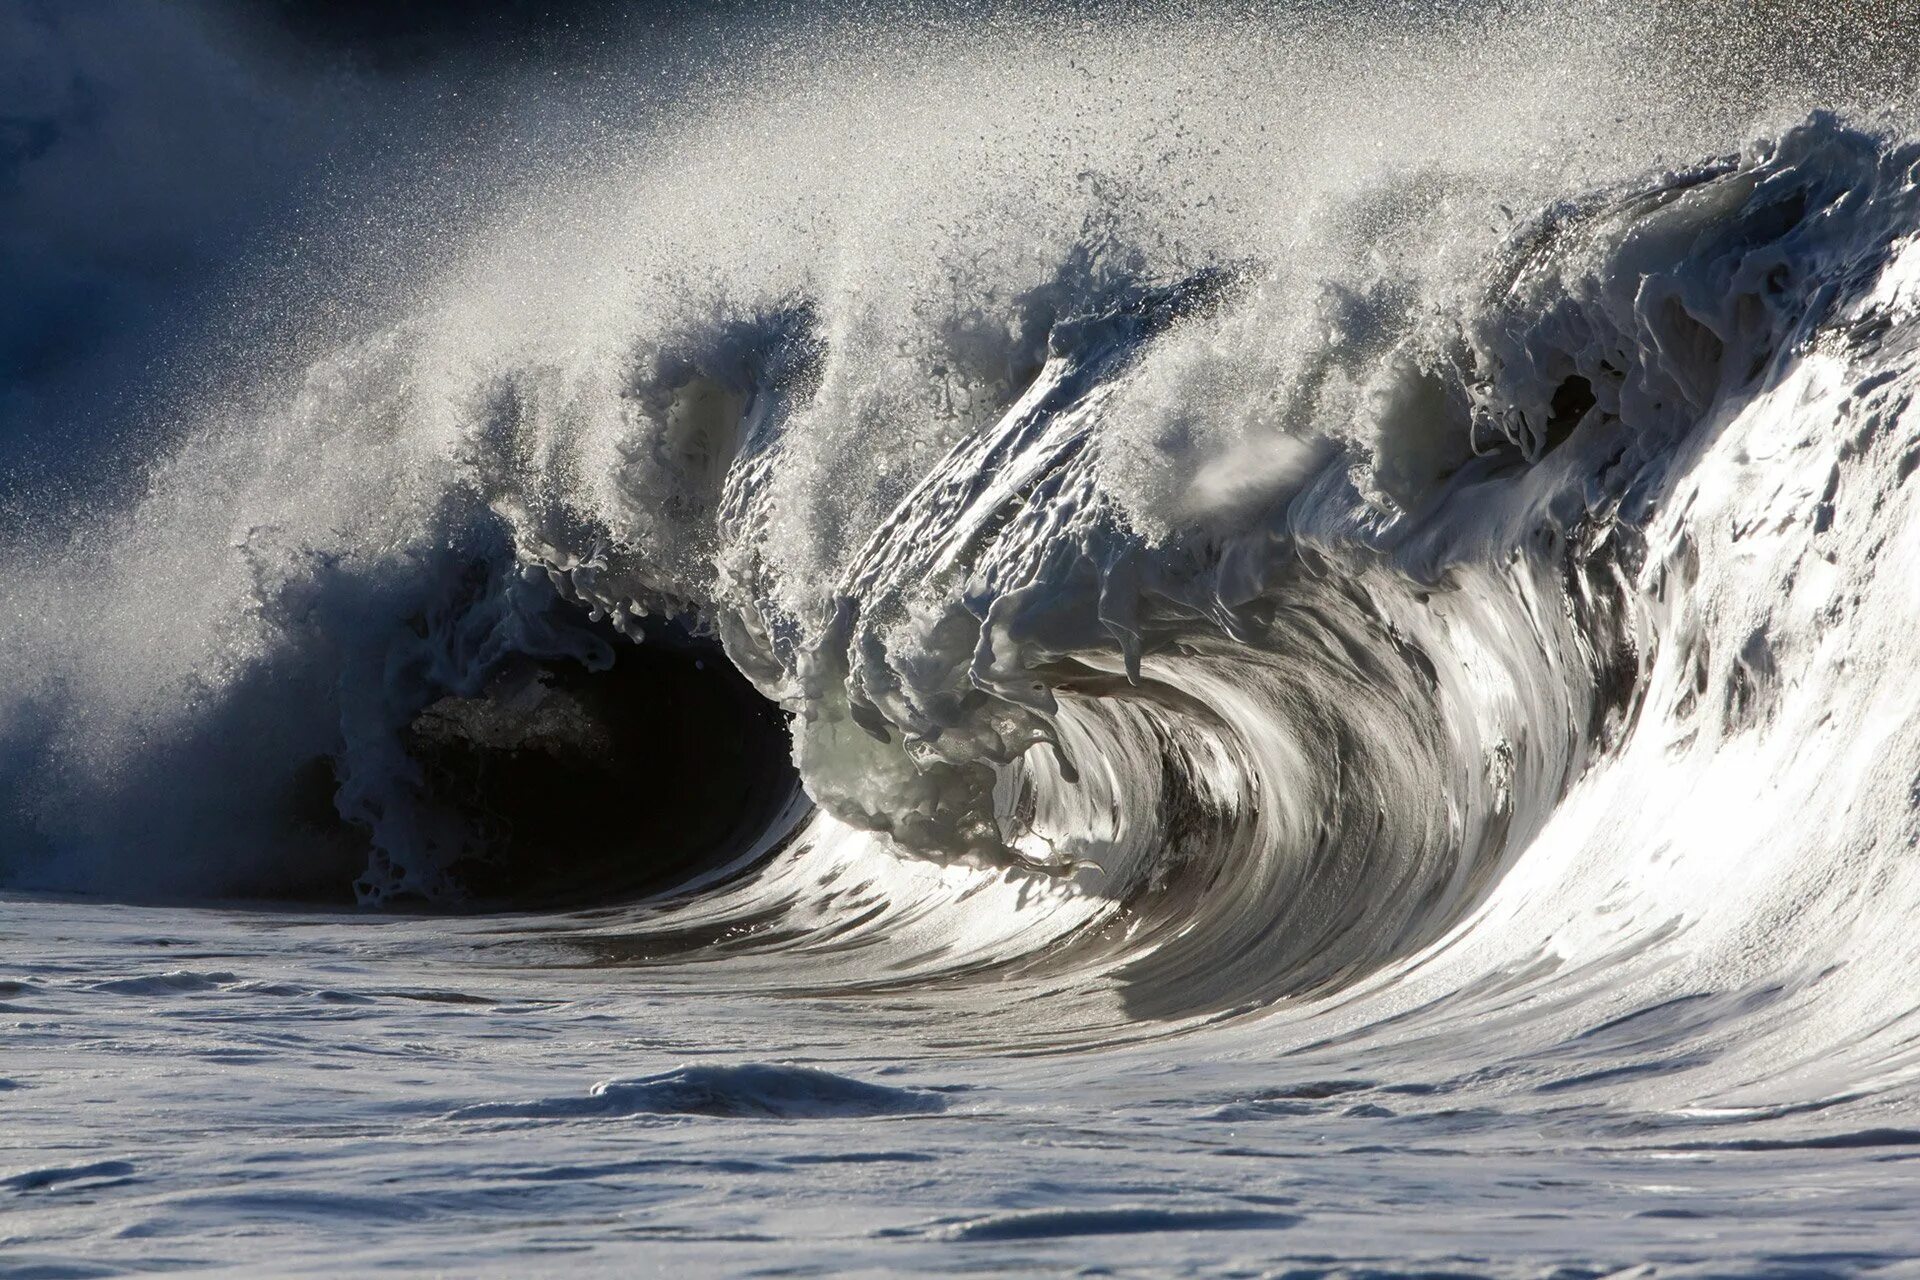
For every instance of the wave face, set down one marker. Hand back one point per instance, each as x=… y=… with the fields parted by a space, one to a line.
x=1270 y=542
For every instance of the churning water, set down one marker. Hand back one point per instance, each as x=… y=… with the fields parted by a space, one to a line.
x=1249 y=644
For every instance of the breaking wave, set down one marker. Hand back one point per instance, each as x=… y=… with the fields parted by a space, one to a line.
x=1177 y=553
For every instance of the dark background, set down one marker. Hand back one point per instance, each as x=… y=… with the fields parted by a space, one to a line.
x=187 y=186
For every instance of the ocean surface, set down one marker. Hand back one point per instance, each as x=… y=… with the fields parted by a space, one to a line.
x=1094 y=641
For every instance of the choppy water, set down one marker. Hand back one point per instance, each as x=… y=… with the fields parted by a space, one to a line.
x=1116 y=644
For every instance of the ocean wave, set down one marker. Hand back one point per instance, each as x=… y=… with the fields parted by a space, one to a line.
x=1195 y=629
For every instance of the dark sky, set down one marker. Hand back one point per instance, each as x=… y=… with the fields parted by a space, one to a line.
x=400 y=34
x=159 y=159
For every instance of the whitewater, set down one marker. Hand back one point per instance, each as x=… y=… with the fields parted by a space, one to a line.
x=1096 y=642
